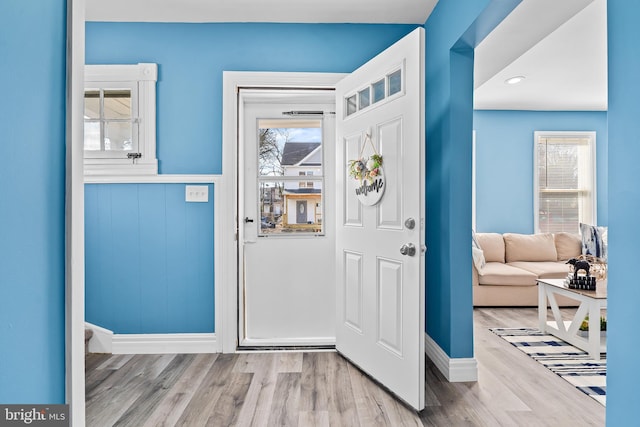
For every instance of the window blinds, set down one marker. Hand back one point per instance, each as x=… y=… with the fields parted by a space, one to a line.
x=565 y=172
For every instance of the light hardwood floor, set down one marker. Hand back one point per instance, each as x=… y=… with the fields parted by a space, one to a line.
x=323 y=389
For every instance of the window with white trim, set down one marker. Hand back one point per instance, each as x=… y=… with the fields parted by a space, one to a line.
x=378 y=91
x=564 y=181
x=120 y=119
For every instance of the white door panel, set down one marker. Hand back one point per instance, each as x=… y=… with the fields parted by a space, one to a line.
x=352 y=208
x=380 y=292
x=287 y=295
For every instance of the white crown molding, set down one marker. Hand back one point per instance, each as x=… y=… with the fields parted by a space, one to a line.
x=454 y=370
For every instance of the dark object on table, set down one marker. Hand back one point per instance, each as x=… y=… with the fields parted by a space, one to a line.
x=579 y=264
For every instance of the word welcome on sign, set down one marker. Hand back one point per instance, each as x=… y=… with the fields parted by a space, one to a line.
x=369 y=192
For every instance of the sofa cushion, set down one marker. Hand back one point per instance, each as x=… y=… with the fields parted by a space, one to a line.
x=529 y=247
x=492 y=245
x=496 y=273
x=568 y=245
x=544 y=269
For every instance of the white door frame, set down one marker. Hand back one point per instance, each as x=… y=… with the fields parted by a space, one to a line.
x=227 y=290
x=74 y=218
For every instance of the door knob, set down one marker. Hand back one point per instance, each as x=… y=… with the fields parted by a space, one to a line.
x=408 y=249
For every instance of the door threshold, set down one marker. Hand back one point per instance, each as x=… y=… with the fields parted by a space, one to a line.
x=286 y=349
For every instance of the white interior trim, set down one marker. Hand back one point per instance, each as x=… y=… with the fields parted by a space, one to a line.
x=74 y=277
x=219 y=192
x=454 y=370
x=164 y=343
x=105 y=341
x=232 y=81
x=154 y=179
x=290 y=342
x=102 y=339
x=143 y=78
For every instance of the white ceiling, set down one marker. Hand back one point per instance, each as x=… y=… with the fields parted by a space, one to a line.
x=559 y=46
x=306 y=11
x=561 y=49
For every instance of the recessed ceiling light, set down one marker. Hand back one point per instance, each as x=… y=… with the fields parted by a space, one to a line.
x=514 y=80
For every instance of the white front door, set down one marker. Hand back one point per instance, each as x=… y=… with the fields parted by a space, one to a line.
x=287 y=294
x=380 y=291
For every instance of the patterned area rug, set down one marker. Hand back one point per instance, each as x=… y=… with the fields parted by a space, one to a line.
x=572 y=364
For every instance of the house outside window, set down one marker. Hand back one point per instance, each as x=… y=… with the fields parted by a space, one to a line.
x=564 y=181
x=120 y=120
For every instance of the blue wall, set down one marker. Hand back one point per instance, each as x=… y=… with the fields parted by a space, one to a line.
x=149 y=259
x=192 y=57
x=32 y=176
x=504 y=148
x=452 y=30
x=32 y=228
x=143 y=273
x=623 y=375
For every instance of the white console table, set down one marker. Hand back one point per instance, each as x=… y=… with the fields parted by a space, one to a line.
x=591 y=304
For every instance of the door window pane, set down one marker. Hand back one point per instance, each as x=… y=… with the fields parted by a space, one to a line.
x=365 y=98
x=290 y=207
x=378 y=91
x=291 y=149
x=351 y=106
x=289 y=146
x=395 y=82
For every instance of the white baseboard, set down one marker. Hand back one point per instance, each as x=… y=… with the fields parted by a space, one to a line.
x=454 y=370
x=164 y=343
x=105 y=341
x=288 y=342
x=102 y=339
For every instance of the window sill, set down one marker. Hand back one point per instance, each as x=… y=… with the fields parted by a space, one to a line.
x=113 y=171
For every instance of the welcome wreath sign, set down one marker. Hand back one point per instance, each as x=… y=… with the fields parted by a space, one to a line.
x=367 y=176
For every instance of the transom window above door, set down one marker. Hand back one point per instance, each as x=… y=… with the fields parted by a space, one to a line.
x=290 y=176
x=379 y=90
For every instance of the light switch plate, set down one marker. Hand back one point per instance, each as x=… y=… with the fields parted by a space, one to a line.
x=197 y=193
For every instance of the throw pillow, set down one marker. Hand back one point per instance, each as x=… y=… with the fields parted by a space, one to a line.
x=474 y=240
x=476 y=252
x=478 y=258
x=594 y=241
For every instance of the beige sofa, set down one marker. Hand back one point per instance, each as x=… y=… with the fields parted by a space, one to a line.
x=514 y=262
